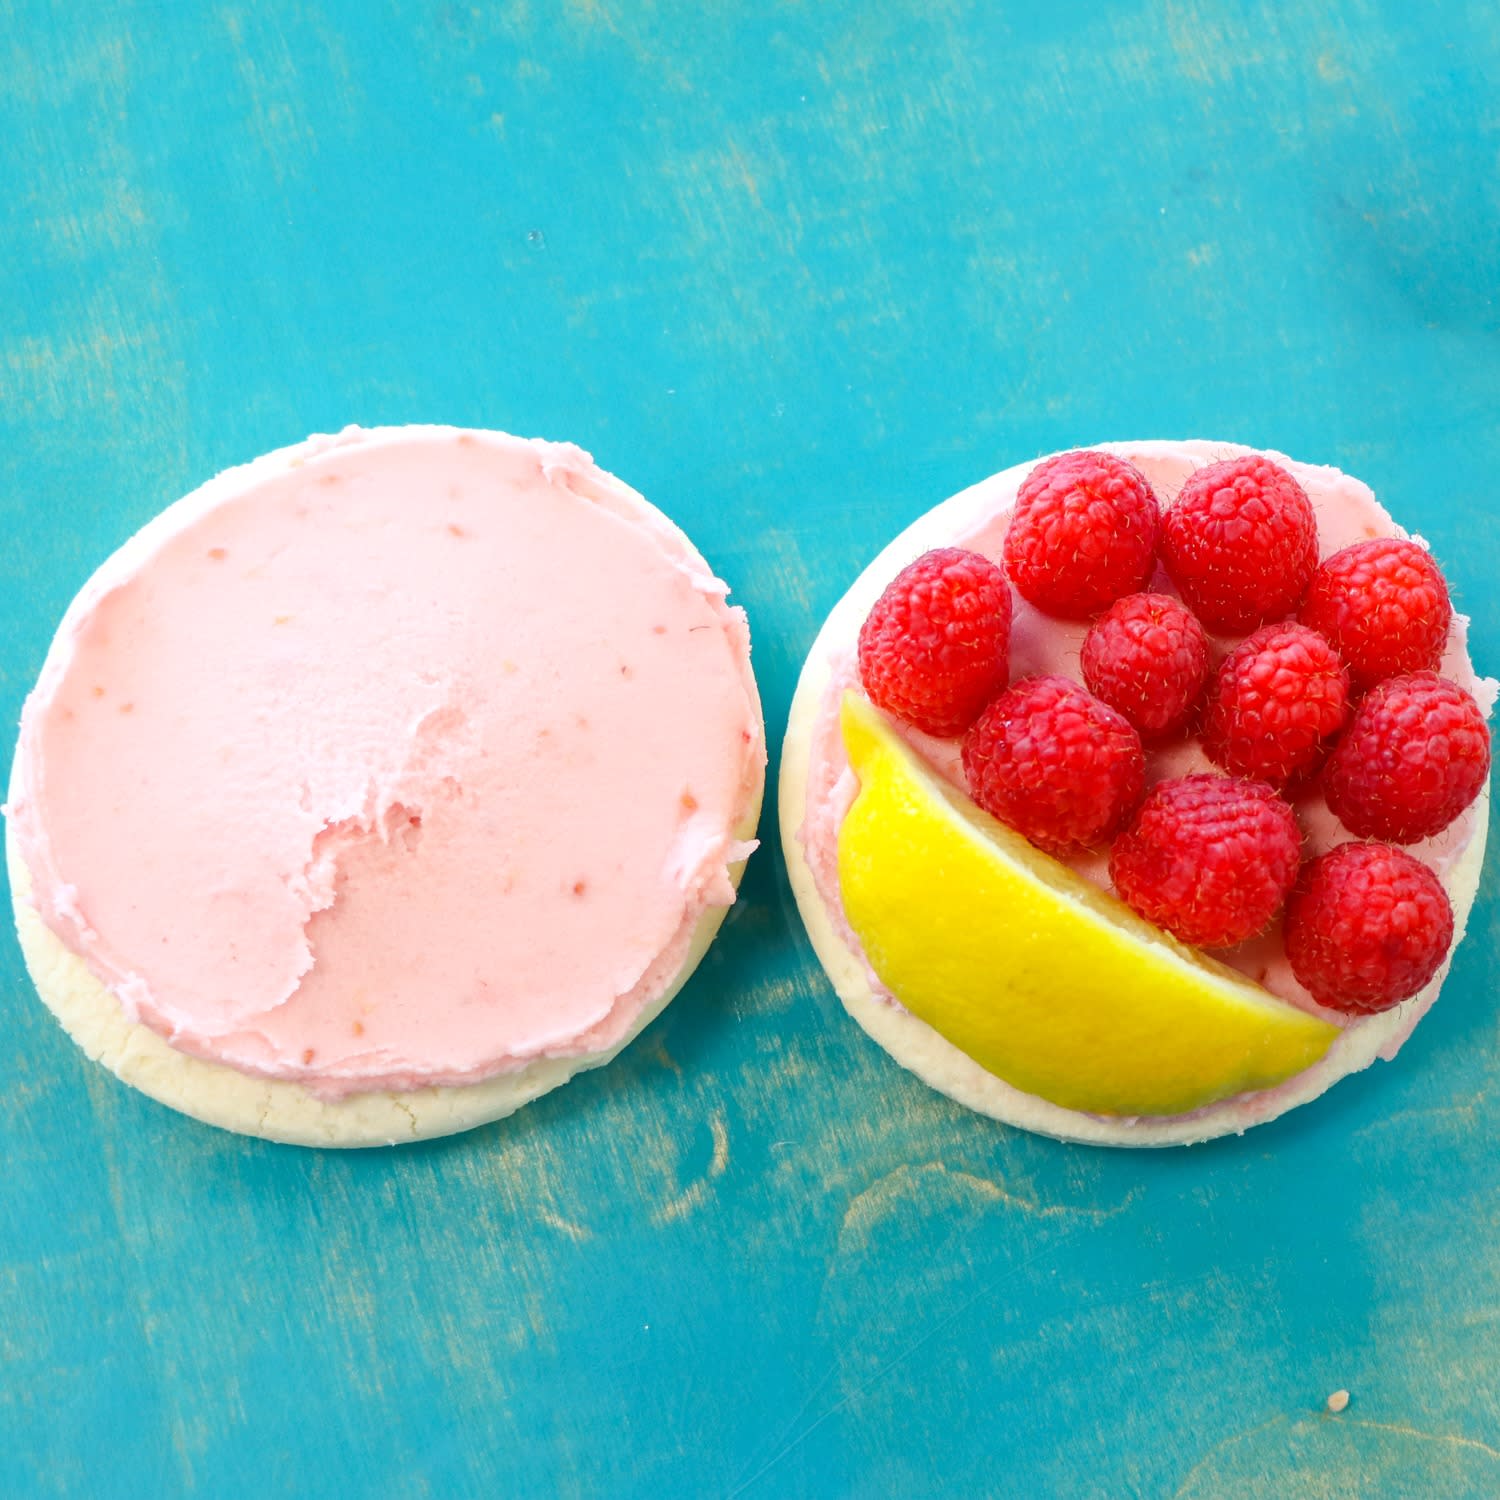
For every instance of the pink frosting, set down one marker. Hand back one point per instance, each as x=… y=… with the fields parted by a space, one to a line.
x=1347 y=512
x=397 y=758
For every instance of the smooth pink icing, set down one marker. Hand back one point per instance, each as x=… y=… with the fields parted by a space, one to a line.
x=402 y=757
x=1347 y=512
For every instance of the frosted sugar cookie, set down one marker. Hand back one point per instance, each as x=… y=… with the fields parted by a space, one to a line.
x=1007 y=726
x=381 y=784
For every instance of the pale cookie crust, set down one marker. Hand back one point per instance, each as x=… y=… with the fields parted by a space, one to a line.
x=913 y=1043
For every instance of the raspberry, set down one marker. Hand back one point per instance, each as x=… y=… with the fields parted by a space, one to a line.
x=1415 y=757
x=1384 y=606
x=1367 y=926
x=1082 y=534
x=1146 y=656
x=1055 y=764
x=1240 y=542
x=1278 y=698
x=936 y=646
x=1209 y=858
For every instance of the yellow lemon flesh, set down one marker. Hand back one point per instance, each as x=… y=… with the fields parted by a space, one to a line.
x=1043 y=979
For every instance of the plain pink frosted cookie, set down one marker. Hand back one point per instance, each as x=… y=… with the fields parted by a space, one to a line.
x=382 y=784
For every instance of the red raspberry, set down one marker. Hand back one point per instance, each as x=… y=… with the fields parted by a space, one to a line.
x=1415 y=757
x=1278 y=698
x=1146 y=656
x=1082 y=534
x=1240 y=543
x=1384 y=606
x=1366 y=926
x=936 y=646
x=1209 y=858
x=1057 y=765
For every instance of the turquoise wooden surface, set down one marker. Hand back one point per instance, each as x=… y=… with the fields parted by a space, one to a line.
x=797 y=271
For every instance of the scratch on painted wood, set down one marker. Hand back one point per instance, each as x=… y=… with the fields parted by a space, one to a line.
x=1462 y=1112
x=933 y=1182
x=578 y=1233
x=784 y=1448
x=933 y=1187
x=1449 y=1439
x=1333 y=1473
x=658 y=1051
x=1191 y=1478
x=695 y=1193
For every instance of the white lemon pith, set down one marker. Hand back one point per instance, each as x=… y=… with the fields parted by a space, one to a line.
x=1041 y=978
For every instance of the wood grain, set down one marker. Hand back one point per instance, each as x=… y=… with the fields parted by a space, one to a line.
x=797 y=272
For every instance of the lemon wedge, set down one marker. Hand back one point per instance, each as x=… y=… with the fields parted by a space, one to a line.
x=1043 y=979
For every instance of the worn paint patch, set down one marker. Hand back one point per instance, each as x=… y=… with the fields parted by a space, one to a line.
x=1331 y=1457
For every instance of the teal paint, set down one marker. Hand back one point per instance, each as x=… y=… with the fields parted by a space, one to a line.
x=797 y=272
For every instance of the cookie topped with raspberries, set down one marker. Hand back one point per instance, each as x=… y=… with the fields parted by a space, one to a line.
x=1195 y=686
